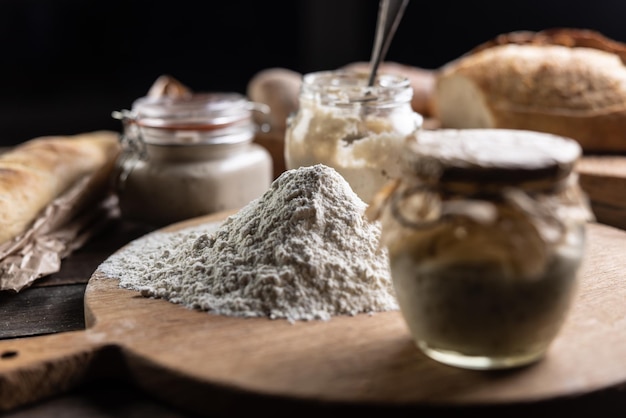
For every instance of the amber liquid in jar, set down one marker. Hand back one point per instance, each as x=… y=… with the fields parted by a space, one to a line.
x=485 y=239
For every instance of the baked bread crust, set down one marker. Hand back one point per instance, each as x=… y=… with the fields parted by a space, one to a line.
x=553 y=81
x=37 y=171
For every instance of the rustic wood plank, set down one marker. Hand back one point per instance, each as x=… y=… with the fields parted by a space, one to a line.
x=42 y=310
x=610 y=215
x=603 y=178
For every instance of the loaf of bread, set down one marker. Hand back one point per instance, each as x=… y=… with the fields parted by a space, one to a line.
x=36 y=172
x=278 y=88
x=562 y=81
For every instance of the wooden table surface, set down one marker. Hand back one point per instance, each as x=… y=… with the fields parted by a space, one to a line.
x=55 y=304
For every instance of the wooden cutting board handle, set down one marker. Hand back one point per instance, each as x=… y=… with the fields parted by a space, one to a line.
x=38 y=367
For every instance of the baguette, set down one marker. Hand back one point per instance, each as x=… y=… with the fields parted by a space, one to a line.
x=570 y=83
x=37 y=171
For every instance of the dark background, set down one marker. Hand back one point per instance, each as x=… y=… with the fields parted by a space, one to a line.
x=65 y=65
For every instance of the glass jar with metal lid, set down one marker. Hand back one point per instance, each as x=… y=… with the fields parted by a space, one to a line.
x=354 y=128
x=485 y=233
x=190 y=154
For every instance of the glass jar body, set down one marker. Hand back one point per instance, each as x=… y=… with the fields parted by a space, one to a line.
x=189 y=156
x=489 y=284
x=356 y=130
x=172 y=182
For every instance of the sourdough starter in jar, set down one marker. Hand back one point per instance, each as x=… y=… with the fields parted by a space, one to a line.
x=357 y=130
x=190 y=155
x=485 y=235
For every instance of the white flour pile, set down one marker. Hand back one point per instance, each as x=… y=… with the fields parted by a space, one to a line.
x=302 y=251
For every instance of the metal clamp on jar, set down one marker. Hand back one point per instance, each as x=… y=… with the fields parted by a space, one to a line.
x=189 y=154
x=485 y=234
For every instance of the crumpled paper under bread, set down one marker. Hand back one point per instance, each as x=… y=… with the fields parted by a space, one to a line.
x=65 y=225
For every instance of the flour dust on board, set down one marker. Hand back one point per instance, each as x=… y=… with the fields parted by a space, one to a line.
x=304 y=250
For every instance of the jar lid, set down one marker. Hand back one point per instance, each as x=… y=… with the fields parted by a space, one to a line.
x=498 y=157
x=200 y=111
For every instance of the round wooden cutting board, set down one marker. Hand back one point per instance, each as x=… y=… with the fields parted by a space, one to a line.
x=227 y=366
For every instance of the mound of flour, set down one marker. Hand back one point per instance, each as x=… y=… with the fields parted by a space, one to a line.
x=302 y=251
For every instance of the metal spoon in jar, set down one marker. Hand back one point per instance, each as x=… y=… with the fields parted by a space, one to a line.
x=389 y=15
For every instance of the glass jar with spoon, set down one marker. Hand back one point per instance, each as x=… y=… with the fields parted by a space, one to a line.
x=355 y=122
x=356 y=129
